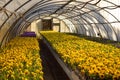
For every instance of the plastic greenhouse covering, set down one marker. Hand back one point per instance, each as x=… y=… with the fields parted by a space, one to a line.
x=88 y=17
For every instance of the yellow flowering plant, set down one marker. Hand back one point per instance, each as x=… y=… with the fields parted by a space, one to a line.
x=94 y=60
x=20 y=60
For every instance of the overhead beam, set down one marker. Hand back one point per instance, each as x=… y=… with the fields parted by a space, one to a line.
x=7 y=3
x=63 y=6
x=97 y=2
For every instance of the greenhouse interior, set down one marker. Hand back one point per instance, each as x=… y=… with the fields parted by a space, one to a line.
x=59 y=40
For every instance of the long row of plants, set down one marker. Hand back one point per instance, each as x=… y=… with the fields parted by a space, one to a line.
x=95 y=61
x=20 y=60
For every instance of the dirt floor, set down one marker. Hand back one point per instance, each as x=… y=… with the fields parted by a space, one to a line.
x=51 y=69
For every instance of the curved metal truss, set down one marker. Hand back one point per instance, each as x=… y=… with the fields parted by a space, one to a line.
x=88 y=17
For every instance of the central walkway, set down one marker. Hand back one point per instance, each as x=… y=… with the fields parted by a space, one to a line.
x=51 y=69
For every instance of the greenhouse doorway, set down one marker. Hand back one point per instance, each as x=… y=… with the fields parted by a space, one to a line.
x=47 y=24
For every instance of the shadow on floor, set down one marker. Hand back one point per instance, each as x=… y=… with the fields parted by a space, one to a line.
x=51 y=69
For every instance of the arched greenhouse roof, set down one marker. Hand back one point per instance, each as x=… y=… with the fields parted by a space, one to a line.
x=88 y=17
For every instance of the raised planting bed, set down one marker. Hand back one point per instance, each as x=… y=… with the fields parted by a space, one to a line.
x=91 y=59
x=69 y=72
x=20 y=60
x=99 y=40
